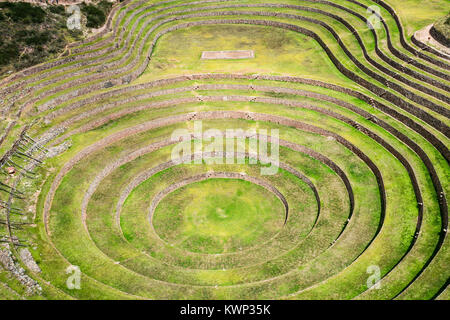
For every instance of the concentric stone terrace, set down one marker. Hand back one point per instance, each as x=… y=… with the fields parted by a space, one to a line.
x=362 y=181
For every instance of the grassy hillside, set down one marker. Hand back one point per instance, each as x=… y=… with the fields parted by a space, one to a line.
x=360 y=193
x=441 y=30
x=32 y=34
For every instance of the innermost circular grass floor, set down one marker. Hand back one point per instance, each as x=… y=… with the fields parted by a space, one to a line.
x=218 y=216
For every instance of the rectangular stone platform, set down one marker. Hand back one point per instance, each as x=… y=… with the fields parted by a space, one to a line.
x=236 y=54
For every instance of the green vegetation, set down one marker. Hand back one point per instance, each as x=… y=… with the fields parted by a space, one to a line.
x=23 y=12
x=218 y=216
x=32 y=34
x=179 y=52
x=96 y=13
x=363 y=160
x=441 y=30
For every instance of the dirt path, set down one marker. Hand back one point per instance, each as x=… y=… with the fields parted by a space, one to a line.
x=425 y=37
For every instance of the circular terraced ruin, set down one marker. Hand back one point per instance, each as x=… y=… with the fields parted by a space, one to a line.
x=353 y=205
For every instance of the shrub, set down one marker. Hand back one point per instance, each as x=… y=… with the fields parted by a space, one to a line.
x=8 y=52
x=33 y=37
x=441 y=31
x=105 y=6
x=59 y=9
x=95 y=16
x=30 y=34
x=23 y=12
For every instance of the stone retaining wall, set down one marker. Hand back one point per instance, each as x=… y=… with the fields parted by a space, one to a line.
x=395 y=86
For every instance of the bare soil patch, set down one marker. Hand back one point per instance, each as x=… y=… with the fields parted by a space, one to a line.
x=237 y=54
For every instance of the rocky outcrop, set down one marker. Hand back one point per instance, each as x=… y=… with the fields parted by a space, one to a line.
x=57 y=150
x=9 y=262
x=28 y=260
